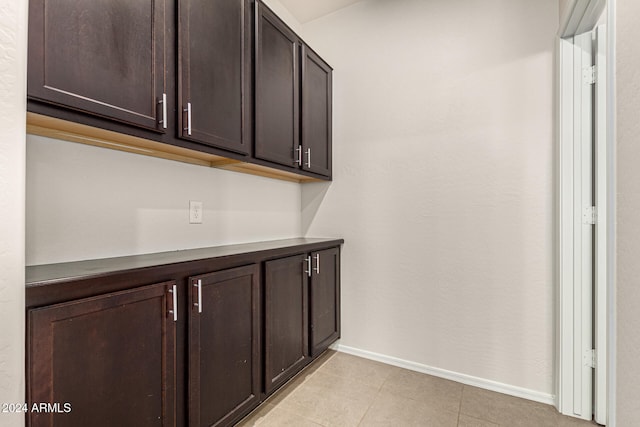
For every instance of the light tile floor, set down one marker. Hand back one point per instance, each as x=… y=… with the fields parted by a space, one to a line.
x=344 y=390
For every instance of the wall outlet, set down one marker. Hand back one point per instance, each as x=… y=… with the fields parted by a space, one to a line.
x=195 y=212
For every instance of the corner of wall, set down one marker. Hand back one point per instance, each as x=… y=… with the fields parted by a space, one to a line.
x=13 y=45
x=285 y=15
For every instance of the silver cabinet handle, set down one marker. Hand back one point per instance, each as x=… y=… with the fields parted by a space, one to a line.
x=164 y=111
x=309 y=157
x=199 y=303
x=188 y=111
x=317 y=268
x=174 y=310
x=308 y=270
x=299 y=157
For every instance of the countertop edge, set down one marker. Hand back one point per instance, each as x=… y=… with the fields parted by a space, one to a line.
x=49 y=274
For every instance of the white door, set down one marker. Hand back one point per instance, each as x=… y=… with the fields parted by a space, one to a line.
x=583 y=226
x=600 y=238
x=582 y=334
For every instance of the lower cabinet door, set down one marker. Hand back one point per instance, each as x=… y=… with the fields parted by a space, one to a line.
x=324 y=304
x=104 y=361
x=224 y=346
x=286 y=319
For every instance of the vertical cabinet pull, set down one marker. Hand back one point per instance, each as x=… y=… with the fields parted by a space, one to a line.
x=308 y=270
x=198 y=304
x=317 y=267
x=174 y=308
x=188 y=111
x=298 y=160
x=163 y=101
x=309 y=158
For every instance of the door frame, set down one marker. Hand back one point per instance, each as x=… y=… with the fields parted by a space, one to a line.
x=582 y=16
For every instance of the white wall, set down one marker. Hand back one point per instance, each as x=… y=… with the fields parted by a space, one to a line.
x=13 y=42
x=443 y=184
x=628 y=208
x=85 y=202
x=564 y=7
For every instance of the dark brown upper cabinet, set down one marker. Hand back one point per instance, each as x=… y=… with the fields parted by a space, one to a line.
x=215 y=73
x=221 y=83
x=105 y=58
x=293 y=98
x=111 y=358
x=316 y=113
x=277 y=137
x=224 y=346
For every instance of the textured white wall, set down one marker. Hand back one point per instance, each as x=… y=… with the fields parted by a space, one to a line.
x=564 y=7
x=13 y=42
x=86 y=202
x=628 y=208
x=443 y=191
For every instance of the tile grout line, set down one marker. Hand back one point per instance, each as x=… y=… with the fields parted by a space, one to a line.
x=374 y=399
x=414 y=399
x=460 y=405
x=323 y=366
x=368 y=408
x=351 y=379
x=321 y=424
x=324 y=370
x=278 y=405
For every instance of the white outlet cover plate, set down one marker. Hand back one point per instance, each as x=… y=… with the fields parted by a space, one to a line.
x=195 y=212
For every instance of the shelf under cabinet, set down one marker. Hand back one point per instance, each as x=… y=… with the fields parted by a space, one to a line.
x=51 y=127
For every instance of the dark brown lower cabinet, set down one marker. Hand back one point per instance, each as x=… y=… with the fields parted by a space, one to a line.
x=106 y=360
x=285 y=319
x=302 y=312
x=324 y=300
x=224 y=346
x=203 y=346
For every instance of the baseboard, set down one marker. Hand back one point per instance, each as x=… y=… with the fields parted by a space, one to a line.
x=511 y=390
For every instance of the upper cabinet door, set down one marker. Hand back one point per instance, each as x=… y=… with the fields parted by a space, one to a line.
x=276 y=94
x=215 y=73
x=316 y=113
x=103 y=57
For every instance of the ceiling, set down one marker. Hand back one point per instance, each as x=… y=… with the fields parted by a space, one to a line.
x=308 y=10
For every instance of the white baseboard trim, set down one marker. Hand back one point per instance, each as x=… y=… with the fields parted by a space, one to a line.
x=511 y=390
